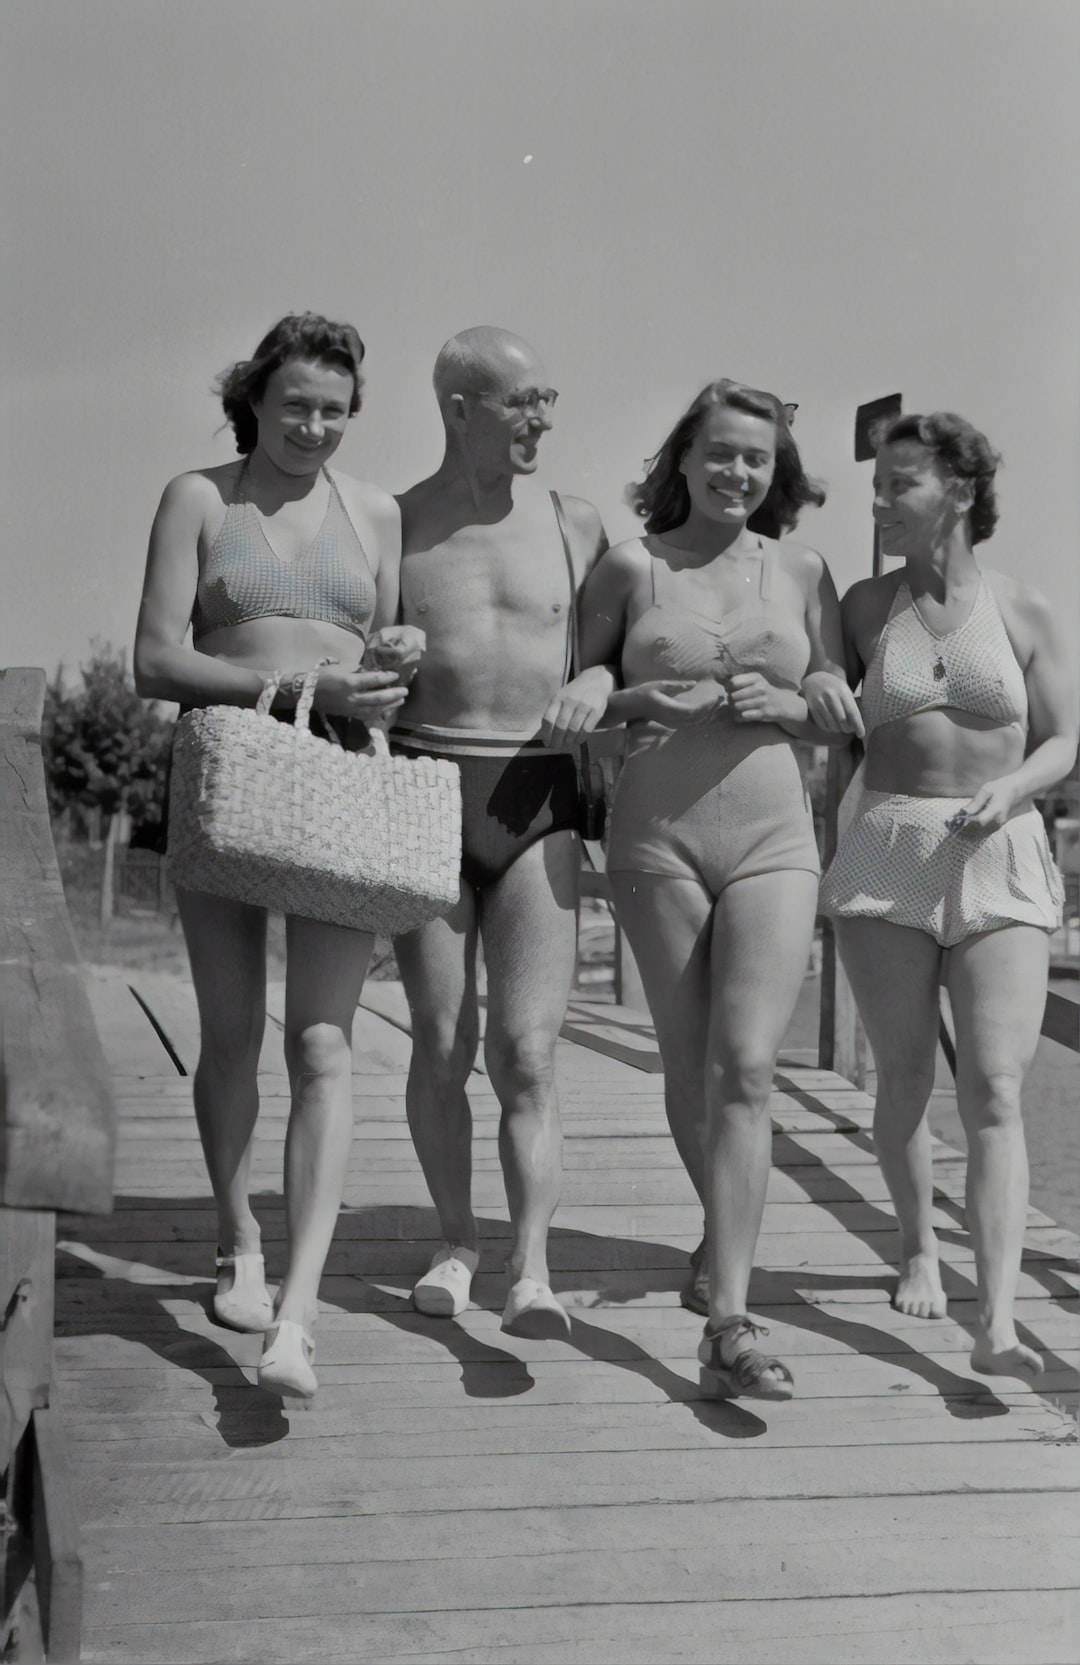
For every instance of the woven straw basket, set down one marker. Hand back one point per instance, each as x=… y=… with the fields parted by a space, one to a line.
x=269 y=813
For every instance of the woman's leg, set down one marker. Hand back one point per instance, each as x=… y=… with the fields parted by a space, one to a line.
x=668 y=922
x=895 y=975
x=997 y=986
x=763 y=927
x=226 y=944
x=325 y=970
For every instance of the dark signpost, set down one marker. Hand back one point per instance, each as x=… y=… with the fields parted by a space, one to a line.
x=870 y=423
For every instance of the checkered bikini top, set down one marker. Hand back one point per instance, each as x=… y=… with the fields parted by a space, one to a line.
x=671 y=640
x=972 y=668
x=242 y=578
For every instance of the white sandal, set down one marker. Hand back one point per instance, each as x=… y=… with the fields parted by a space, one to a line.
x=245 y=1304
x=285 y=1366
x=532 y=1311
x=443 y=1291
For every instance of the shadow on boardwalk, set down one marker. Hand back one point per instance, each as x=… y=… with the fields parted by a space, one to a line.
x=379 y=1252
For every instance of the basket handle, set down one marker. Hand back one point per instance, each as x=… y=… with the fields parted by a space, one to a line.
x=306 y=697
x=380 y=745
x=271 y=684
x=272 y=681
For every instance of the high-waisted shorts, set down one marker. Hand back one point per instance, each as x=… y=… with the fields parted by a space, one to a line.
x=898 y=860
x=714 y=807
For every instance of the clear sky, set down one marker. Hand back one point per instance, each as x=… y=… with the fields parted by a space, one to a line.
x=834 y=199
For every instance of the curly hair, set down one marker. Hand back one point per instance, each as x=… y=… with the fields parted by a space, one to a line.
x=963 y=452
x=662 y=498
x=299 y=335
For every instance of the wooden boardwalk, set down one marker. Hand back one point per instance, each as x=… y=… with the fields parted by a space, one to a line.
x=456 y=1495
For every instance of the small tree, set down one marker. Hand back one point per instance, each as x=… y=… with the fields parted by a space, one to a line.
x=105 y=748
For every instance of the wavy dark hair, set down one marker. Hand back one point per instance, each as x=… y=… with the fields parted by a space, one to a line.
x=964 y=452
x=303 y=335
x=662 y=498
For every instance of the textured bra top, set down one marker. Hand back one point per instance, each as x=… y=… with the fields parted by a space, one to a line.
x=972 y=668
x=670 y=640
x=242 y=578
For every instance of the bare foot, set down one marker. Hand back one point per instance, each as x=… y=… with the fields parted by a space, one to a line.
x=1015 y=1360
x=918 y=1290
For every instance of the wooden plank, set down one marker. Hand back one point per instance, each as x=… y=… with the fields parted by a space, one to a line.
x=845 y=1424
x=1061 y=1021
x=915 y=1564
x=926 y=1629
x=57 y=1559
x=620 y=1032
x=842 y=1523
x=56 y=1112
x=27 y=1252
x=252 y=1485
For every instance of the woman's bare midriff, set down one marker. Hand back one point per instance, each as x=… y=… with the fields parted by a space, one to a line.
x=283 y=644
x=941 y=754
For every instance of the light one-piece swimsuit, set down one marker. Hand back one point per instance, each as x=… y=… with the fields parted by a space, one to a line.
x=898 y=858
x=718 y=800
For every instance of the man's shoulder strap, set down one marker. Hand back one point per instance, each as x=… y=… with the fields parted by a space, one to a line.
x=570 y=668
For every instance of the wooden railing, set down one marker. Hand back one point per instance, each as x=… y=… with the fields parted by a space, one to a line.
x=56 y=1152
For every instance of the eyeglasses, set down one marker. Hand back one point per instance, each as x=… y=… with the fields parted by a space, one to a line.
x=528 y=399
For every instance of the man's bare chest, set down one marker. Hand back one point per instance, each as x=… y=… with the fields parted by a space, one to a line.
x=469 y=583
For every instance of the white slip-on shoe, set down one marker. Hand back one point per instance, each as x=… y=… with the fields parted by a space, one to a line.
x=443 y=1291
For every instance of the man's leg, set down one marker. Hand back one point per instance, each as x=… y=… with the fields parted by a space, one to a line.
x=438 y=968
x=528 y=922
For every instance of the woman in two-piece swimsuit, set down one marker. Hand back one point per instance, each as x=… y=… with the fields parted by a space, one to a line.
x=712 y=856
x=276 y=566
x=943 y=873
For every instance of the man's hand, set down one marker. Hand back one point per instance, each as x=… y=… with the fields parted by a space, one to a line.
x=831 y=705
x=576 y=709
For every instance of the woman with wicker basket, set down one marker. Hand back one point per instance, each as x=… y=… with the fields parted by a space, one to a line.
x=276 y=566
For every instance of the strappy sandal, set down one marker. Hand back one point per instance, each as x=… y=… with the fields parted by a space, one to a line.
x=245 y=1304
x=747 y=1375
x=285 y=1366
x=694 y=1294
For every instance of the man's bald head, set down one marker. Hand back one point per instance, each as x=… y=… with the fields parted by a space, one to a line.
x=480 y=360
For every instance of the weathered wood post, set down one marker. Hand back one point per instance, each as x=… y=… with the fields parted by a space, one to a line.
x=56 y=1152
x=841 y=1041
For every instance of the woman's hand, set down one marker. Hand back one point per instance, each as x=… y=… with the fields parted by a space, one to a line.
x=676 y=704
x=989 y=809
x=831 y=705
x=754 y=699
x=396 y=647
x=576 y=709
x=359 y=693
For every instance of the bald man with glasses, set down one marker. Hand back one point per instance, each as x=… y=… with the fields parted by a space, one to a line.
x=492 y=564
